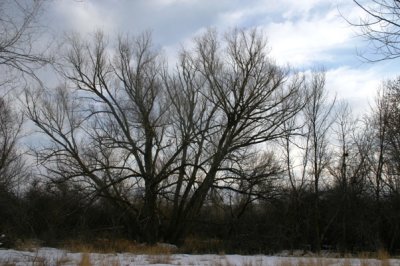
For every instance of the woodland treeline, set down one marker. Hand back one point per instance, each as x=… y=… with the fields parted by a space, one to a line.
x=223 y=146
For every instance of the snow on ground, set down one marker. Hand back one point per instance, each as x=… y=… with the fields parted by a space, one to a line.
x=51 y=256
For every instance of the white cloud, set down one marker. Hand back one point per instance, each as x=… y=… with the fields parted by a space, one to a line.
x=358 y=86
x=294 y=8
x=308 y=40
x=265 y=10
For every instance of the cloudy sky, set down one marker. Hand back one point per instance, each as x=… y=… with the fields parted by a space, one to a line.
x=306 y=34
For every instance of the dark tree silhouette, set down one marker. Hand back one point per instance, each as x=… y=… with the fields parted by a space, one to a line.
x=142 y=136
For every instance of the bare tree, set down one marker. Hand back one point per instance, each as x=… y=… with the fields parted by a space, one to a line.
x=307 y=155
x=19 y=27
x=386 y=115
x=378 y=147
x=248 y=99
x=380 y=126
x=111 y=133
x=382 y=152
x=142 y=136
x=380 y=28
x=392 y=99
x=349 y=167
x=319 y=117
x=19 y=58
x=12 y=167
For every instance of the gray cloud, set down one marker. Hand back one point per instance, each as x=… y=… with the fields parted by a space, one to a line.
x=172 y=20
x=302 y=32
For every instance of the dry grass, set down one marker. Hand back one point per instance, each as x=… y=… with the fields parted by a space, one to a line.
x=382 y=254
x=28 y=244
x=364 y=262
x=116 y=246
x=98 y=246
x=159 y=259
x=195 y=245
x=7 y=263
x=364 y=255
x=85 y=260
x=346 y=262
x=152 y=250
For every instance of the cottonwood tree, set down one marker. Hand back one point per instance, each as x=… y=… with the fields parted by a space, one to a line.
x=248 y=99
x=144 y=136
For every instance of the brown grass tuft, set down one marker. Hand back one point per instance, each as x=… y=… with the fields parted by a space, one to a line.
x=346 y=262
x=382 y=254
x=85 y=260
x=195 y=245
x=116 y=246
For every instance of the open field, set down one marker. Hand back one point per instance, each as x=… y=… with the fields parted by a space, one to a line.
x=51 y=256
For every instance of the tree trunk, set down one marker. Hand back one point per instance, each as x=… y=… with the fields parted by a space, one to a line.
x=149 y=220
